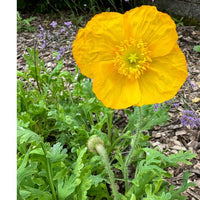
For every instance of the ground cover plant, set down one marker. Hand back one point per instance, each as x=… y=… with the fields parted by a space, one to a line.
x=69 y=144
x=24 y=24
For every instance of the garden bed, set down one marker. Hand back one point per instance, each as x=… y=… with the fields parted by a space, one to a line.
x=173 y=136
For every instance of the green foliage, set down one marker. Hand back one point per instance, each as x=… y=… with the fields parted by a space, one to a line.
x=49 y=108
x=149 y=181
x=70 y=179
x=24 y=24
x=41 y=6
x=76 y=19
x=179 y=22
x=79 y=180
x=57 y=113
x=92 y=7
x=176 y=194
x=150 y=118
x=197 y=48
x=78 y=8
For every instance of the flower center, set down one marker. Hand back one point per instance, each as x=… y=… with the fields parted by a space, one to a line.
x=132 y=59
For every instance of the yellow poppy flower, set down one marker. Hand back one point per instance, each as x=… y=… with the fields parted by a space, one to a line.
x=133 y=58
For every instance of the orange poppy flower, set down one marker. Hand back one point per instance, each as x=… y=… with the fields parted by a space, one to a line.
x=133 y=58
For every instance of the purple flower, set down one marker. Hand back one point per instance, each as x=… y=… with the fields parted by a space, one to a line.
x=39 y=35
x=176 y=105
x=53 y=24
x=44 y=35
x=168 y=102
x=60 y=53
x=155 y=107
x=62 y=49
x=44 y=45
x=62 y=30
x=69 y=24
x=161 y=105
x=49 y=35
x=57 y=35
x=41 y=28
x=190 y=118
x=191 y=84
x=58 y=57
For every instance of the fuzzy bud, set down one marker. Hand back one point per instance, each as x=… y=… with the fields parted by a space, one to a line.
x=93 y=142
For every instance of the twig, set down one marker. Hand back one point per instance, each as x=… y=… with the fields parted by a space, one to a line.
x=193 y=194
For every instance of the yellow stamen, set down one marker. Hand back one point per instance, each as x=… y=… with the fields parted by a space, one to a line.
x=132 y=59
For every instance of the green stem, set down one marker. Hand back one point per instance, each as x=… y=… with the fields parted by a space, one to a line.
x=70 y=95
x=91 y=118
x=35 y=64
x=102 y=152
x=109 y=125
x=117 y=140
x=134 y=142
x=49 y=172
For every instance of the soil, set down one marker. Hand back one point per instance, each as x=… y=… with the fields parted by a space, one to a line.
x=173 y=136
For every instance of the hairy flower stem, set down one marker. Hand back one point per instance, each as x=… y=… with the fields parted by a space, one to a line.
x=109 y=125
x=102 y=152
x=49 y=173
x=134 y=142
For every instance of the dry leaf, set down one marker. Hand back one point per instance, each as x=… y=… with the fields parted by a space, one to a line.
x=196 y=100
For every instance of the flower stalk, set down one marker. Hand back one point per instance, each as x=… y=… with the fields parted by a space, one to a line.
x=49 y=172
x=35 y=64
x=96 y=145
x=109 y=125
x=134 y=142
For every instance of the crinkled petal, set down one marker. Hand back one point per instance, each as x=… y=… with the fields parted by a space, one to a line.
x=97 y=41
x=164 y=78
x=114 y=90
x=155 y=28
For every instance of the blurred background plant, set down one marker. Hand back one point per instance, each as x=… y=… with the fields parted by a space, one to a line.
x=55 y=34
x=24 y=24
x=77 y=7
x=85 y=8
x=197 y=48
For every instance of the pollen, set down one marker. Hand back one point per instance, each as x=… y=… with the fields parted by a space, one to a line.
x=132 y=59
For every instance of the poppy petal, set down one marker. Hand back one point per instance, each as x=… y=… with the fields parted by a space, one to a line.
x=165 y=77
x=155 y=28
x=114 y=90
x=97 y=41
